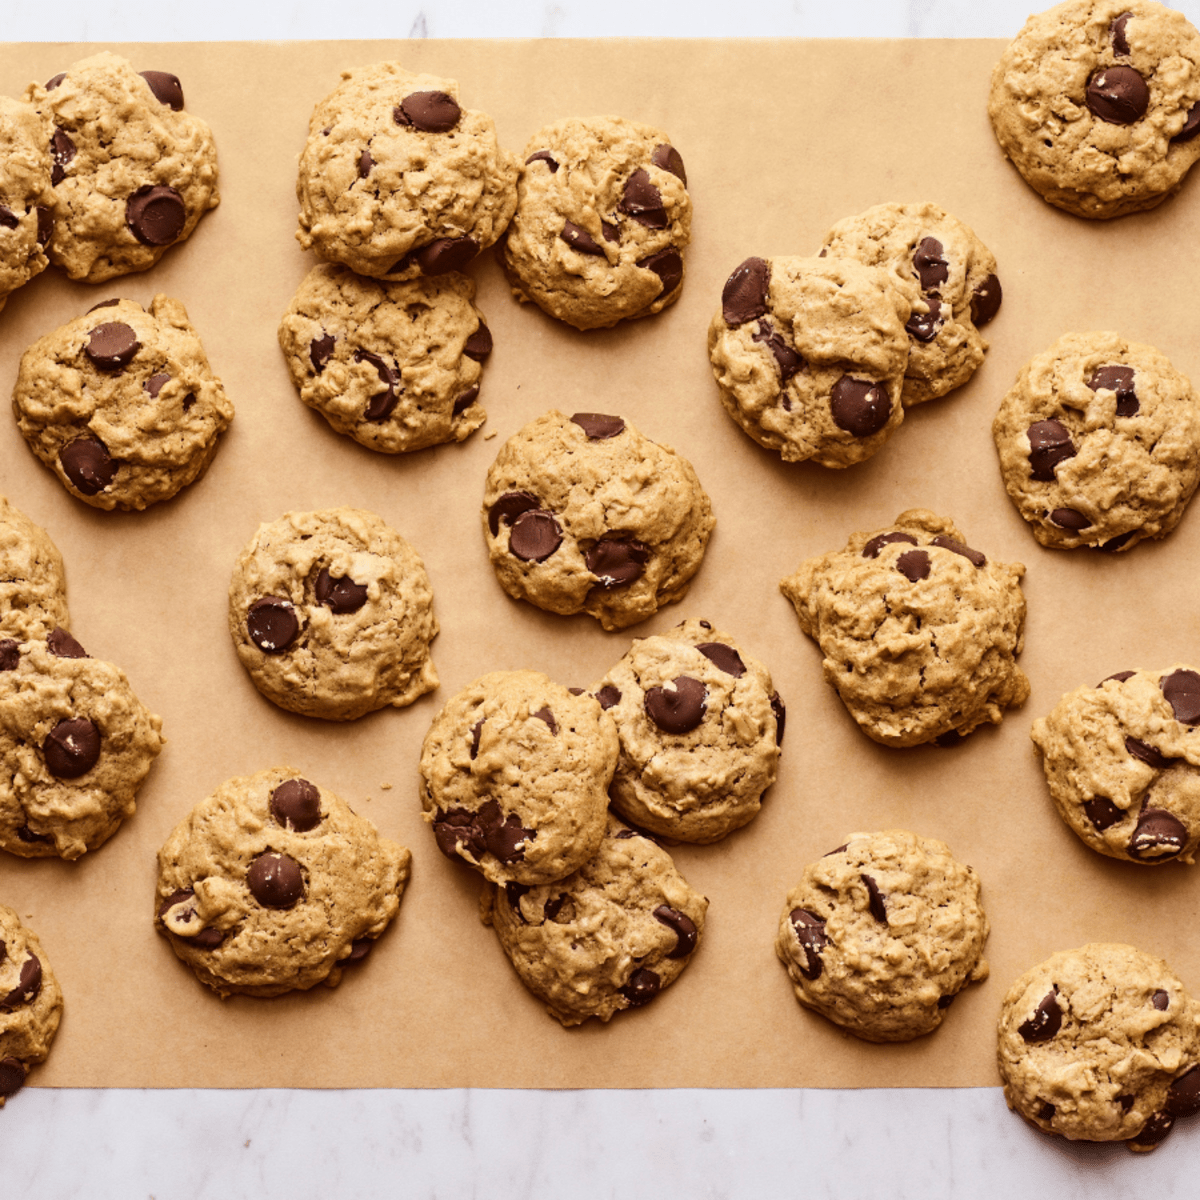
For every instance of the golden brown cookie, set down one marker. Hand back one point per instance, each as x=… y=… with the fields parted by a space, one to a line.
x=26 y=217
x=33 y=586
x=30 y=1003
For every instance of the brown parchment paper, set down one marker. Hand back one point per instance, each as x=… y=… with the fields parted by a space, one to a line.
x=781 y=139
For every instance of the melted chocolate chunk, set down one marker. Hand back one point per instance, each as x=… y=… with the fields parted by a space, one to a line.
x=359 y=949
x=642 y=987
x=1191 y=127
x=479 y=344
x=86 y=463
x=111 y=346
x=668 y=158
x=974 y=557
x=913 y=565
x=1049 y=444
x=535 y=536
x=1158 y=836
x=1182 y=690
x=272 y=624
x=504 y=837
x=985 y=301
x=1120 y=43
x=513 y=893
x=683 y=927
x=744 y=297
x=476 y=730
x=677 y=707
x=930 y=263
x=1162 y=1001
x=1120 y=677
x=543 y=156
x=789 y=362
x=667 y=265
x=340 y=594
x=598 y=426
x=62 y=150
x=859 y=406
x=465 y=400
x=156 y=383
x=1069 y=518
x=27 y=835
x=481 y=832
x=1147 y=753
x=320 y=351
x=1126 y=1102
x=616 y=563
x=156 y=215
x=12 y=1076
x=440 y=256
x=45 y=224
x=1046 y=1020
x=612 y=233
x=275 y=880
x=380 y=405
x=1183 y=1096
x=726 y=657
x=8 y=219
x=1102 y=812
x=296 y=804
x=1118 y=95
x=835 y=850
x=925 y=326
x=1115 y=544
x=55 y=80
x=876 y=900
x=579 y=239
x=1120 y=380
x=608 y=696
x=553 y=907
x=544 y=714
x=62 y=645
x=72 y=748
x=945 y=1001
x=642 y=201
x=780 y=711
x=27 y=988
x=877 y=543
x=1047 y=1111
x=810 y=931
x=510 y=506
x=365 y=163
x=166 y=88
x=10 y=656
x=1154 y=1130
x=430 y=112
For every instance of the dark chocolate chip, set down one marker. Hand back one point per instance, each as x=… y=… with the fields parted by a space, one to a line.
x=296 y=804
x=430 y=112
x=579 y=239
x=359 y=949
x=877 y=543
x=320 y=350
x=789 y=362
x=1049 y=444
x=925 y=326
x=111 y=346
x=272 y=624
x=1182 y=690
x=535 y=536
x=10 y=656
x=1162 y=1001
x=476 y=730
x=1120 y=43
x=166 y=88
x=835 y=850
x=608 y=696
x=72 y=748
x=86 y=463
x=62 y=150
x=913 y=565
x=28 y=987
x=45 y=224
x=744 y=297
x=1102 y=812
x=1183 y=1096
x=667 y=265
x=622 y=834
x=612 y=233
x=1154 y=1130
x=8 y=219
x=642 y=987
x=440 y=256
x=642 y=201
x=1159 y=835
x=553 y=907
x=1115 y=544
x=975 y=557
x=1069 y=518
x=1118 y=95
x=678 y=708
x=985 y=301
x=156 y=215
x=479 y=344
x=513 y=893
x=365 y=163
x=12 y=1076
x=503 y=837
x=55 y=80
x=1146 y=753
x=669 y=159
x=810 y=931
x=684 y=928
x=27 y=835
x=543 y=156
x=207 y=939
x=544 y=714
x=726 y=657
x=876 y=900
x=599 y=426
x=380 y=405
x=275 y=880
x=949 y=739
x=945 y=1001
x=780 y=711
x=616 y=562
x=1120 y=677
x=458 y=827
x=1047 y=1111
x=510 y=506
x=1120 y=380
x=1126 y=1102
x=930 y=263
x=577 y=691
x=1191 y=127
x=859 y=406
x=341 y=594
x=156 y=383
x=62 y=645
x=465 y=400
x=1046 y=1020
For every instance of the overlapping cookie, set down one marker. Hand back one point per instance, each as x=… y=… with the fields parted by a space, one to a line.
x=26 y=201
x=31 y=1003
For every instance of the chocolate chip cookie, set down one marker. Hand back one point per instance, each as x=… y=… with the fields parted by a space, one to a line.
x=30 y=1003
x=33 y=586
x=919 y=630
x=584 y=514
x=26 y=201
x=273 y=883
x=603 y=216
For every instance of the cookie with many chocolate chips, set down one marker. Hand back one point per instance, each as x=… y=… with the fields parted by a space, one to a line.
x=33 y=586
x=273 y=883
x=397 y=179
x=396 y=366
x=514 y=777
x=1099 y=443
x=1101 y=1044
x=810 y=354
x=609 y=937
x=26 y=219
x=133 y=172
x=121 y=403
x=585 y=514
x=31 y=1003
x=603 y=217
x=882 y=933
x=700 y=725
x=1097 y=104
x=331 y=614
x=919 y=631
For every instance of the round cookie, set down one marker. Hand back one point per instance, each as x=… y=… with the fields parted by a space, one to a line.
x=609 y=937
x=882 y=933
x=33 y=586
x=331 y=613
x=947 y=275
x=584 y=514
x=919 y=631
x=397 y=179
x=1122 y=760
x=1099 y=443
x=514 y=772
x=121 y=403
x=1101 y=1044
x=700 y=725
x=75 y=745
x=273 y=883
x=395 y=366
x=603 y=216
x=30 y=1003
x=1097 y=104
x=810 y=355
x=132 y=172
x=26 y=219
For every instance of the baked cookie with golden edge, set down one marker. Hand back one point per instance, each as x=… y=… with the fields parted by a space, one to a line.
x=947 y=275
x=397 y=179
x=810 y=356
x=33 y=584
x=700 y=725
x=273 y=884
x=1122 y=760
x=1101 y=1044
x=132 y=173
x=882 y=933
x=585 y=514
x=1099 y=443
x=919 y=630
x=1097 y=104
x=610 y=936
x=31 y=1003
x=331 y=614
x=395 y=366
x=603 y=216
x=121 y=403
x=26 y=201
x=75 y=745
x=514 y=777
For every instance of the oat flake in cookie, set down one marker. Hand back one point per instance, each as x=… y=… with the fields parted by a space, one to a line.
x=584 y=514
x=1101 y=1044
x=609 y=937
x=1099 y=443
x=31 y=1003
x=882 y=933
x=918 y=629
x=273 y=883
x=331 y=613
x=33 y=586
x=603 y=216
x=26 y=217
x=395 y=366
x=133 y=171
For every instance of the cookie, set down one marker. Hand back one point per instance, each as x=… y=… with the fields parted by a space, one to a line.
x=75 y=745
x=1099 y=443
x=603 y=216
x=30 y=1003
x=810 y=356
x=1097 y=104
x=273 y=884
x=397 y=179
x=882 y=933
x=700 y=725
x=121 y=403
x=331 y=614
x=395 y=366
x=1101 y=1044
x=584 y=514
x=132 y=172
x=26 y=201
x=514 y=772
x=947 y=275
x=33 y=586
x=1122 y=760
x=610 y=936
x=919 y=631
